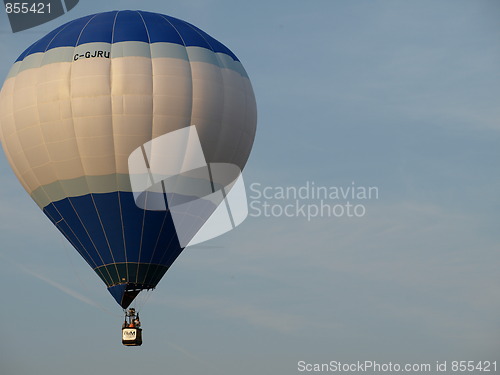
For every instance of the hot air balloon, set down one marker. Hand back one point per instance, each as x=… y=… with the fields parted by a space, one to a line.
x=80 y=100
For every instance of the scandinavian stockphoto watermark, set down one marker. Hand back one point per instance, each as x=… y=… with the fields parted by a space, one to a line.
x=372 y=367
x=310 y=200
x=205 y=200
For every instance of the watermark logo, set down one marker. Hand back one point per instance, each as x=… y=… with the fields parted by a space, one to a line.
x=30 y=13
x=205 y=200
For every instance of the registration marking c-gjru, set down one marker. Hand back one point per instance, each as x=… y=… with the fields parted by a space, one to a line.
x=89 y=55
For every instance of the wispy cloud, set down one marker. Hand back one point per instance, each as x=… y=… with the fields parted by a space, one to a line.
x=256 y=316
x=57 y=285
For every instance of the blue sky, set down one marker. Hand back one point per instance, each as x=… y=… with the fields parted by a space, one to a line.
x=399 y=95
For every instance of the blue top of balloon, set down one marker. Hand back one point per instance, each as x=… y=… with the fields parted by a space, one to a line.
x=141 y=26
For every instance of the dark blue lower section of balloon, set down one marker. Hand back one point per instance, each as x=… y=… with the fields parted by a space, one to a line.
x=109 y=230
x=117 y=292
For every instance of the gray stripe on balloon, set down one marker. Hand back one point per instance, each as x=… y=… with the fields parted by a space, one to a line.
x=127 y=49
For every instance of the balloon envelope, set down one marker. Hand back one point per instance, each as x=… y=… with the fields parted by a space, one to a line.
x=80 y=100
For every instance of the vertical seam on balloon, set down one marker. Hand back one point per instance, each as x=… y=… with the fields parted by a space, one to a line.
x=34 y=44
x=246 y=84
x=80 y=242
x=90 y=193
x=78 y=149
x=211 y=49
x=152 y=131
x=28 y=51
x=164 y=217
x=16 y=133
x=60 y=184
x=220 y=66
x=22 y=150
x=14 y=83
x=88 y=259
x=235 y=150
x=55 y=35
x=83 y=28
x=150 y=137
x=51 y=162
x=95 y=205
x=167 y=253
x=88 y=235
x=38 y=110
x=245 y=90
x=249 y=99
x=114 y=144
x=220 y=127
x=104 y=232
x=234 y=153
